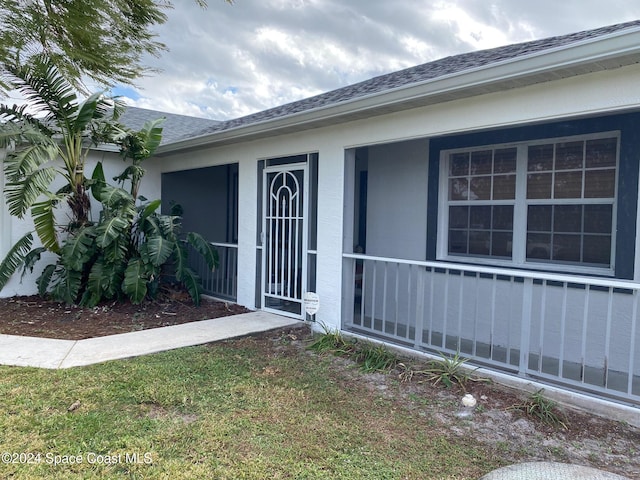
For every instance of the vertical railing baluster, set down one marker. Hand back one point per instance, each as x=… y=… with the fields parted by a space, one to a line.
x=373 y=296
x=607 y=338
x=363 y=298
x=446 y=308
x=543 y=308
x=632 y=339
x=396 y=300
x=583 y=339
x=474 y=340
x=384 y=297
x=494 y=283
x=525 y=327
x=431 y=304
x=410 y=320
x=419 y=323
x=563 y=324
x=460 y=308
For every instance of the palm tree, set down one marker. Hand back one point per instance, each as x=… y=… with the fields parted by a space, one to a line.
x=131 y=247
x=47 y=141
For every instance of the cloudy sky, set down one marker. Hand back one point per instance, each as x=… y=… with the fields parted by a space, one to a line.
x=232 y=60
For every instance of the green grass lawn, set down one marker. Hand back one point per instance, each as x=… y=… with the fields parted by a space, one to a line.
x=252 y=408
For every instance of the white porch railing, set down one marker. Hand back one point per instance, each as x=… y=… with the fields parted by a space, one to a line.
x=580 y=332
x=222 y=283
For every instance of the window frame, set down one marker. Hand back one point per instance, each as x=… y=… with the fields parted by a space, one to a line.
x=520 y=205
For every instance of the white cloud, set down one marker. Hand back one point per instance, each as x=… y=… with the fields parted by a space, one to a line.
x=229 y=61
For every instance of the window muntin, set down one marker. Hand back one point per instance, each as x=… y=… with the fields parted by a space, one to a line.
x=564 y=191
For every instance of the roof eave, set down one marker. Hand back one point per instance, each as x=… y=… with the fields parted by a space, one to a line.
x=601 y=53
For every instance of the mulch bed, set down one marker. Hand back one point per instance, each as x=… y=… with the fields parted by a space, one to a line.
x=37 y=317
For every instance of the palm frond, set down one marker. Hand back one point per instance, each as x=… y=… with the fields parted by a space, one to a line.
x=67 y=283
x=87 y=111
x=111 y=196
x=27 y=159
x=157 y=250
x=22 y=195
x=44 y=280
x=14 y=258
x=105 y=278
x=19 y=118
x=150 y=209
x=191 y=281
x=152 y=134
x=109 y=231
x=45 y=223
x=31 y=259
x=180 y=261
x=135 y=283
x=204 y=248
x=98 y=181
x=79 y=248
x=169 y=226
x=44 y=88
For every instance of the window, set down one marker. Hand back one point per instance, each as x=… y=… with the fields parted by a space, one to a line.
x=549 y=202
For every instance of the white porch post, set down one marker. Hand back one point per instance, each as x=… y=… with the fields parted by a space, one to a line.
x=330 y=212
x=247 y=206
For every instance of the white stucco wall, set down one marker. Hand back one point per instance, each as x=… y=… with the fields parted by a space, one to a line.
x=586 y=95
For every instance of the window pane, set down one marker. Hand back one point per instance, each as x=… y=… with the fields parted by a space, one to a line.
x=479 y=242
x=567 y=218
x=597 y=218
x=539 y=246
x=504 y=187
x=600 y=183
x=601 y=153
x=540 y=158
x=501 y=244
x=503 y=217
x=539 y=218
x=459 y=164
x=539 y=185
x=566 y=248
x=564 y=180
x=505 y=160
x=568 y=185
x=480 y=217
x=481 y=162
x=458 y=241
x=597 y=249
x=459 y=217
x=569 y=155
x=458 y=188
x=480 y=188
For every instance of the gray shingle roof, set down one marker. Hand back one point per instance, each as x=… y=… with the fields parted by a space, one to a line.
x=175 y=126
x=417 y=74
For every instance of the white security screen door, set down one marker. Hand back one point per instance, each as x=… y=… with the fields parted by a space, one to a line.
x=284 y=236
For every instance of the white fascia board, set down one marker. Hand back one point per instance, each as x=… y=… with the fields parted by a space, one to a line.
x=590 y=51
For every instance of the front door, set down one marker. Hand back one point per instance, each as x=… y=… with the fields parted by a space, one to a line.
x=284 y=233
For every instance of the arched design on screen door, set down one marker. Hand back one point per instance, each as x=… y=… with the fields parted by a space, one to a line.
x=285 y=239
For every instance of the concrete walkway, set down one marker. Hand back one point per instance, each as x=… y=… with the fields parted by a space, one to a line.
x=550 y=471
x=52 y=353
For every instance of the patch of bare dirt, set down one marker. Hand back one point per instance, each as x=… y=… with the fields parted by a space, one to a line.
x=514 y=436
x=36 y=317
